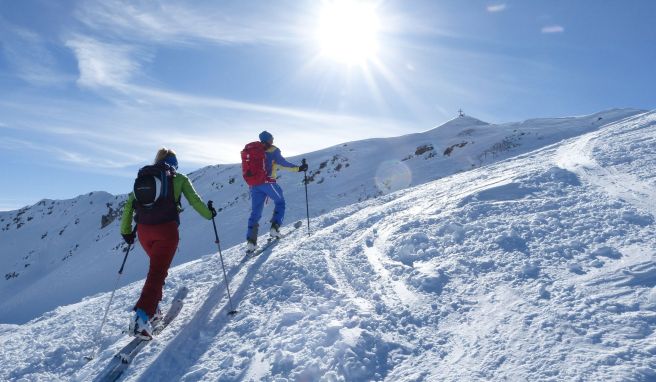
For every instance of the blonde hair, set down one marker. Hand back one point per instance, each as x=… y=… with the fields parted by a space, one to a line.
x=163 y=153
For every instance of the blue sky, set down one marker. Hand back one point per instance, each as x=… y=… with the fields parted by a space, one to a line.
x=89 y=90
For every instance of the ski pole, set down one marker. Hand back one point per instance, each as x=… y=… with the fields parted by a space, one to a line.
x=120 y=273
x=225 y=277
x=307 y=205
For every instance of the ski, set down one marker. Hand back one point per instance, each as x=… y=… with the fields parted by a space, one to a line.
x=124 y=357
x=272 y=241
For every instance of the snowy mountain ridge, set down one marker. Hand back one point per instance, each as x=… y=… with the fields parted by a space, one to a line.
x=537 y=267
x=57 y=252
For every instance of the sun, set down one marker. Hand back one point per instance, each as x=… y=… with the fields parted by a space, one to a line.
x=348 y=31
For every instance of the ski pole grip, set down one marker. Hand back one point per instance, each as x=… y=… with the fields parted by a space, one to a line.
x=125 y=258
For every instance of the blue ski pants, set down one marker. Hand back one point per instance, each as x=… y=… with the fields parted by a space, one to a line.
x=258 y=196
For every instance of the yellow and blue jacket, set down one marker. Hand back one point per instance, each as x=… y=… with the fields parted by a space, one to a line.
x=275 y=160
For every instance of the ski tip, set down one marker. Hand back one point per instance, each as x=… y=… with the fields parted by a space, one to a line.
x=298 y=224
x=181 y=293
x=232 y=312
x=88 y=358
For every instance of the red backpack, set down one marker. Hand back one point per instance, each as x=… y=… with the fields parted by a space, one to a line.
x=253 y=164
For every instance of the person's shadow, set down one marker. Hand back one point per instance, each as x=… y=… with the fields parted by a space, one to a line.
x=189 y=345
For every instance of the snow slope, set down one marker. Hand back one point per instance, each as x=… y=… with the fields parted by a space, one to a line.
x=57 y=252
x=539 y=267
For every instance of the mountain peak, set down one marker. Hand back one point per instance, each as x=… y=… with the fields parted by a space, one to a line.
x=464 y=121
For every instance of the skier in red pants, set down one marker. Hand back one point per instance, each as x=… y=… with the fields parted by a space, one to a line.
x=156 y=199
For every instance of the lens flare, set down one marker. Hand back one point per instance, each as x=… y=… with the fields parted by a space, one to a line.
x=393 y=176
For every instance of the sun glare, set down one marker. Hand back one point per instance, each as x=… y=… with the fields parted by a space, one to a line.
x=348 y=30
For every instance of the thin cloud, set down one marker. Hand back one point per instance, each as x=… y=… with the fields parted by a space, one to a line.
x=492 y=8
x=110 y=43
x=105 y=64
x=204 y=131
x=28 y=56
x=553 y=29
x=73 y=157
x=170 y=23
x=167 y=99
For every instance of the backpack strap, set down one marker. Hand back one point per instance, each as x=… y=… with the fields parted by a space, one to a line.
x=165 y=184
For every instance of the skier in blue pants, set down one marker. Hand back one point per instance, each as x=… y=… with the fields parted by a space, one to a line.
x=270 y=189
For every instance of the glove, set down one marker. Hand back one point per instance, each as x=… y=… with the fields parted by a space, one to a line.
x=303 y=167
x=129 y=238
x=210 y=206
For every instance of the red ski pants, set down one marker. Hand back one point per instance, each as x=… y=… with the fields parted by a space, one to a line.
x=160 y=242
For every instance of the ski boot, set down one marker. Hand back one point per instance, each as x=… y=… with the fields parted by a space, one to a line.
x=140 y=326
x=251 y=246
x=156 y=318
x=274 y=233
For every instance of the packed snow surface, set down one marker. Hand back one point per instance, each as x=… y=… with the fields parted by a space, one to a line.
x=537 y=267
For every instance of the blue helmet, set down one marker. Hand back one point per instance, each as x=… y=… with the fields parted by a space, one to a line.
x=265 y=137
x=172 y=161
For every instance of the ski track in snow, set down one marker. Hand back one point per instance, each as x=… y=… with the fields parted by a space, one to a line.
x=579 y=157
x=540 y=267
x=212 y=317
